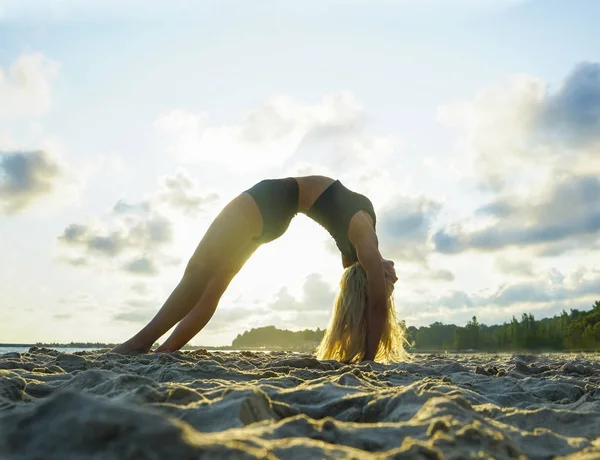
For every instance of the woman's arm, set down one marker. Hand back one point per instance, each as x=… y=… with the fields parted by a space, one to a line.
x=363 y=237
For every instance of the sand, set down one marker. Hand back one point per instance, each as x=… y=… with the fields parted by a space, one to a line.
x=190 y=405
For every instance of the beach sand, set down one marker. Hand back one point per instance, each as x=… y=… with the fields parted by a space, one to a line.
x=189 y=405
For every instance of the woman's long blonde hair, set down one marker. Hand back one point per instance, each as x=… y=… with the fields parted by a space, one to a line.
x=345 y=338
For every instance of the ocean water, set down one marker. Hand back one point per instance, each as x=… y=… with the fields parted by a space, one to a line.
x=26 y=349
x=4 y=350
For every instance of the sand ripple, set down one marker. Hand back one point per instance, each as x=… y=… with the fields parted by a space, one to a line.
x=190 y=405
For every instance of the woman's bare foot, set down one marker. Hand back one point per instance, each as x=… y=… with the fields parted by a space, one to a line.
x=129 y=348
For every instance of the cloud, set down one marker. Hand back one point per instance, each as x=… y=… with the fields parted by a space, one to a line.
x=181 y=193
x=122 y=207
x=76 y=261
x=523 y=268
x=404 y=228
x=405 y=224
x=542 y=166
x=140 y=288
x=141 y=266
x=139 y=230
x=239 y=319
x=25 y=177
x=571 y=115
x=75 y=233
x=107 y=245
x=313 y=309
x=565 y=210
x=550 y=292
x=456 y=299
x=62 y=316
x=135 y=316
x=178 y=192
x=442 y=275
x=148 y=233
x=520 y=131
x=153 y=231
x=495 y=153
x=77 y=302
x=317 y=295
x=582 y=244
x=25 y=89
x=272 y=133
x=137 y=310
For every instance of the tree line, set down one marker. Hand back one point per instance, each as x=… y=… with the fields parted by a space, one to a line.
x=76 y=345
x=272 y=337
x=576 y=330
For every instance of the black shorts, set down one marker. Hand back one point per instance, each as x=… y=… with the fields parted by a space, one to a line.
x=277 y=200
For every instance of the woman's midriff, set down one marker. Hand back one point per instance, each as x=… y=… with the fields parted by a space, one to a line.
x=310 y=188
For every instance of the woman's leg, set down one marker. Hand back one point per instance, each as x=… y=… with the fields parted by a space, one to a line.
x=224 y=249
x=183 y=298
x=198 y=317
x=204 y=309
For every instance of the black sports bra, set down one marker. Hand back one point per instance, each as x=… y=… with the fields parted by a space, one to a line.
x=334 y=209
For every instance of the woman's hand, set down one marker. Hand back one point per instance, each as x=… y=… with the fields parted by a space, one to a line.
x=390 y=272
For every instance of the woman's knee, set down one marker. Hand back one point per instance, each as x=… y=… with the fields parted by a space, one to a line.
x=194 y=280
x=196 y=269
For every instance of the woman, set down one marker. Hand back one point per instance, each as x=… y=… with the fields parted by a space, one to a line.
x=364 y=312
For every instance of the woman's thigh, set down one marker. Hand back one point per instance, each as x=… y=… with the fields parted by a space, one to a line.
x=230 y=239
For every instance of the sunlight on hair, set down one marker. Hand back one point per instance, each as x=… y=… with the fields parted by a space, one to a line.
x=345 y=338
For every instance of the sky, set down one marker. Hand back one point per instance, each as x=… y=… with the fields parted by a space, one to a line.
x=125 y=127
